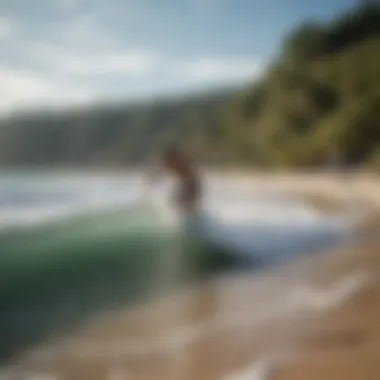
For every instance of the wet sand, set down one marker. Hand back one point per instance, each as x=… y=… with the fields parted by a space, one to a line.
x=317 y=318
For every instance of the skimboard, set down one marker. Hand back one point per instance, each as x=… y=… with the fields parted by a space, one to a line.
x=261 y=229
x=263 y=240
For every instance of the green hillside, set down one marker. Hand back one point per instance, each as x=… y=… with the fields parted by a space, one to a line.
x=321 y=100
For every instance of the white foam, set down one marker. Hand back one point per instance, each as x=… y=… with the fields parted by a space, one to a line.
x=28 y=204
x=248 y=219
x=116 y=374
x=259 y=370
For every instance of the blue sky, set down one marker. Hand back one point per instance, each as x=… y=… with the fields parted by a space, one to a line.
x=63 y=52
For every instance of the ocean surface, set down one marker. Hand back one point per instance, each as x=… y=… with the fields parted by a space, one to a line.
x=73 y=245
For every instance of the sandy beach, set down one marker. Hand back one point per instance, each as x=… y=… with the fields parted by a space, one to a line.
x=314 y=319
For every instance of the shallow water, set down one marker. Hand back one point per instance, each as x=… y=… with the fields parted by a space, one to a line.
x=72 y=246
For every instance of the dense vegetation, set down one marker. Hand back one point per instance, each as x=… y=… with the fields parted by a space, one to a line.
x=320 y=101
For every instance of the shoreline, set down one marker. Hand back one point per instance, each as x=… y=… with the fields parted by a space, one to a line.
x=300 y=318
x=310 y=319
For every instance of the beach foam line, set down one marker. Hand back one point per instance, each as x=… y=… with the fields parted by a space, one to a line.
x=302 y=299
x=337 y=294
x=263 y=369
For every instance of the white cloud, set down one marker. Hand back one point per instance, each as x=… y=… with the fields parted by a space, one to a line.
x=69 y=61
x=129 y=62
x=226 y=70
x=60 y=70
x=86 y=31
x=74 y=62
x=7 y=27
x=85 y=47
x=20 y=89
x=92 y=62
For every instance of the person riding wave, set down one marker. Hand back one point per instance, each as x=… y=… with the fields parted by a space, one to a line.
x=179 y=164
